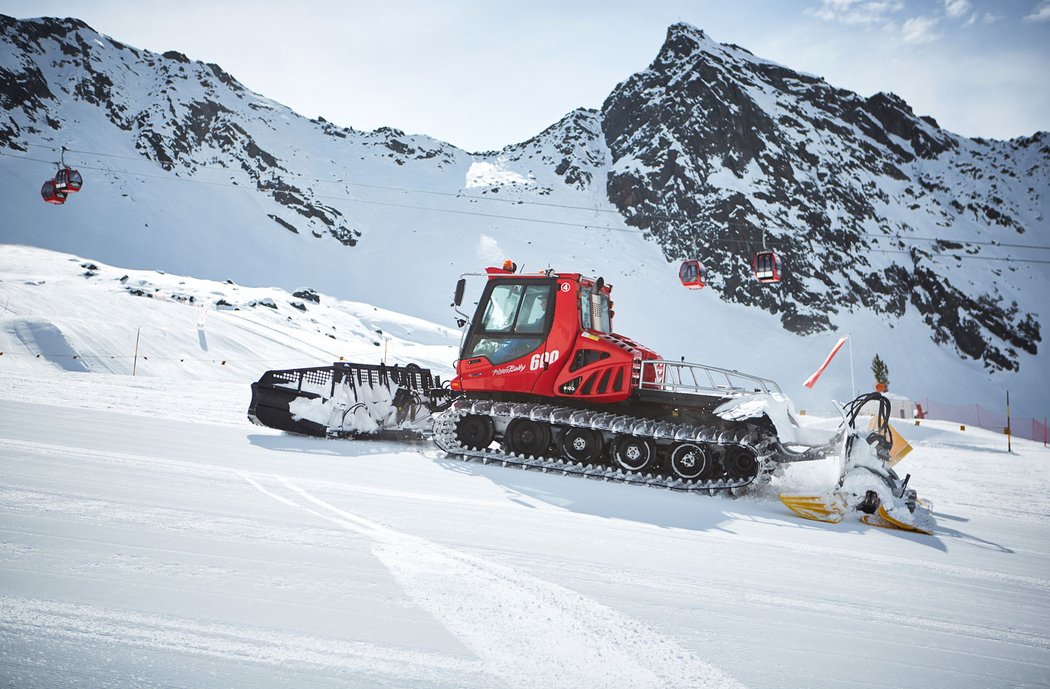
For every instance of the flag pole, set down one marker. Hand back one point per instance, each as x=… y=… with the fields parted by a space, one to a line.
x=135 y=361
x=852 y=380
x=1009 y=433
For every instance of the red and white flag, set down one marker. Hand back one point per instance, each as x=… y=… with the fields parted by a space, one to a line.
x=835 y=350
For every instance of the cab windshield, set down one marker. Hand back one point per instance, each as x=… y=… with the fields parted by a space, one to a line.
x=514 y=322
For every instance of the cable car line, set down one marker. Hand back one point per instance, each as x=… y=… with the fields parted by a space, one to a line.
x=963 y=258
x=174 y=175
x=611 y=211
x=516 y=202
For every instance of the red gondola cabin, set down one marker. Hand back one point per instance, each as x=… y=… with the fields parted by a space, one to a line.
x=691 y=274
x=766 y=266
x=51 y=194
x=68 y=180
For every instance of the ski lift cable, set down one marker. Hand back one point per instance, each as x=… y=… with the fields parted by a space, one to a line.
x=610 y=211
x=966 y=257
x=563 y=223
x=430 y=192
x=138 y=159
x=174 y=177
x=352 y=199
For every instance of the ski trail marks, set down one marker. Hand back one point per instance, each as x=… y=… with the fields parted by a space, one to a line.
x=27 y=616
x=525 y=631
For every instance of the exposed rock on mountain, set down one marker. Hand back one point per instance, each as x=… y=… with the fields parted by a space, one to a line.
x=711 y=146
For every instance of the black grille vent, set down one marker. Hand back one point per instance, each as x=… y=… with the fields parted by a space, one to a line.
x=586 y=357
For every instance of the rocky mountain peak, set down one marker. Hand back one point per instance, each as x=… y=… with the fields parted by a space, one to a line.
x=712 y=147
x=681 y=42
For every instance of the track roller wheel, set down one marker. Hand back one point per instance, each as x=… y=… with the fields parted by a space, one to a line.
x=527 y=437
x=582 y=445
x=633 y=453
x=739 y=461
x=689 y=461
x=475 y=432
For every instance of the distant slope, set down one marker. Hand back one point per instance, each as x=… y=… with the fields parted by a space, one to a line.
x=65 y=313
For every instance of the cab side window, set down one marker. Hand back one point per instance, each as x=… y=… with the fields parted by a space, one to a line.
x=532 y=316
x=501 y=309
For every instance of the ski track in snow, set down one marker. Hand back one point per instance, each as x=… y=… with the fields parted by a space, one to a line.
x=29 y=500
x=815 y=603
x=509 y=619
x=72 y=621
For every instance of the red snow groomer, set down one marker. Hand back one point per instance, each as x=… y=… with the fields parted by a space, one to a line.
x=543 y=381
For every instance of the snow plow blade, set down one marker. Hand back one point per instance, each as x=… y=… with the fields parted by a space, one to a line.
x=833 y=507
x=919 y=521
x=867 y=483
x=822 y=508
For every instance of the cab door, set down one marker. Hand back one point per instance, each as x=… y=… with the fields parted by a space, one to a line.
x=504 y=350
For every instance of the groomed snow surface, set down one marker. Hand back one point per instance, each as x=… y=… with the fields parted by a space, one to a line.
x=150 y=536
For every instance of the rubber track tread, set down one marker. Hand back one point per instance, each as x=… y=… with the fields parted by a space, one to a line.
x=445 y=438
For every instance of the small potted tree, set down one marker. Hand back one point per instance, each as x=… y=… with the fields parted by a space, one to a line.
x=881 y=373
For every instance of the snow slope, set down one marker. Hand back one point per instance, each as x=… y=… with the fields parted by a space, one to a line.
x=150 y=536
x=75 y=314
x=152 y=542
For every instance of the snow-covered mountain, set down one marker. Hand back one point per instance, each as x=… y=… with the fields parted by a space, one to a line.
x=189 y=172
x=712 y=145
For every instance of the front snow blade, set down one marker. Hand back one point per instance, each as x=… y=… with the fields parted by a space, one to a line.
x=900 y=447
x=899 y=517
x=830 y=507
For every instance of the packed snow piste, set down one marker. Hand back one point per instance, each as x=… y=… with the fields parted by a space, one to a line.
x=543 y=382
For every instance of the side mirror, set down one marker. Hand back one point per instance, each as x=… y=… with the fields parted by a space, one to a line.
x=461 y=286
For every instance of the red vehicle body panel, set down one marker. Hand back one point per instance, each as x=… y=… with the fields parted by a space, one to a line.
x=570 y=362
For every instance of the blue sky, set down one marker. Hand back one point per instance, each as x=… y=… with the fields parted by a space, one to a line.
x=482 y=75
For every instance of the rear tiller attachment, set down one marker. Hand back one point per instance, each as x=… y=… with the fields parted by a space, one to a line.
x=349 y=400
